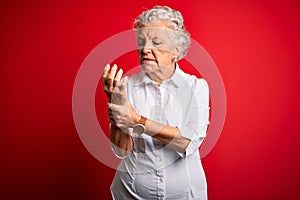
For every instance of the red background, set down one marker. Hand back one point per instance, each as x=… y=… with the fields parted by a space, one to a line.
x=255 y=45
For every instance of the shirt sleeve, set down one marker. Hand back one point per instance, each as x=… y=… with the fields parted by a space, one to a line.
x=196 y=121
x=117 y=151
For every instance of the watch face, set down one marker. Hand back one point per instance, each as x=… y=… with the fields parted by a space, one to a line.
x=139 y=129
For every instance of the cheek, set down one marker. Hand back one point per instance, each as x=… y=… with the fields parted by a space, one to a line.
x=139 y=53
x=165 y=57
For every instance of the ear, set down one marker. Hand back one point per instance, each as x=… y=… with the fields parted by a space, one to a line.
x=178 y=50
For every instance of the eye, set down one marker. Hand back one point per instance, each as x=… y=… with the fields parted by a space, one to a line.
x=140 y=41
x=156 y=43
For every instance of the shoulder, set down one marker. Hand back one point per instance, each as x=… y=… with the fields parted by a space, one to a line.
x=193 y=81
x=132 y=79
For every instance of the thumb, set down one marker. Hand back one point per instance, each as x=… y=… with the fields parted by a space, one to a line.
x=124 y=83
x=123 y=87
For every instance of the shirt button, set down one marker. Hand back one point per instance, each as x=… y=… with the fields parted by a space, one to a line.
x=160 y=179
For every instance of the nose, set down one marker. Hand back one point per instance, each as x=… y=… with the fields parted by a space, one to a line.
x=146 y=48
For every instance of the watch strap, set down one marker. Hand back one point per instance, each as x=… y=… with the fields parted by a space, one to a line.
x=142 y=120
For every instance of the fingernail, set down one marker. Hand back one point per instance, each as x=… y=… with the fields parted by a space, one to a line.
x=115 y=66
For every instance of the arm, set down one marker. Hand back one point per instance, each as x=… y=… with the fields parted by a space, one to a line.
x=121 y=142
x=168 y=135
x=125 y=117
x=184 y=139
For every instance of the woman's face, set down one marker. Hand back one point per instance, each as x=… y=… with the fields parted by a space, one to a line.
x=156 y=50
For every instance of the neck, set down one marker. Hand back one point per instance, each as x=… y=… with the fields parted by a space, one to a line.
x=161 y=74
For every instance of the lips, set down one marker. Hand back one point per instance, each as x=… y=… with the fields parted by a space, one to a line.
x=148 y=60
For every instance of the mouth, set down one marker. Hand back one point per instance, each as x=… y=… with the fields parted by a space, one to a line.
x=147 y=60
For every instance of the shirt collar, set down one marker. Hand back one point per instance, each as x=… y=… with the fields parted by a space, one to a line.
x=177 y=78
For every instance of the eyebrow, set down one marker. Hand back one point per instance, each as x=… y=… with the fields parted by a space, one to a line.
x=140 y=36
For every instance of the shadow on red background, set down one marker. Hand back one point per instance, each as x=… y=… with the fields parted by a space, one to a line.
x=254 y=43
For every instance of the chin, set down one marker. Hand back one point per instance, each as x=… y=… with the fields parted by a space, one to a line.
x=148 y=67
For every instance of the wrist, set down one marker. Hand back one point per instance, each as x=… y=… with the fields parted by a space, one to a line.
x=140 y=126
x=137 y=119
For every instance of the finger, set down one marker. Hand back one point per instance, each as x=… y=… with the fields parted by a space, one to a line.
x=122 y=88
x=105 y=73
x=111 y=117
x=124 y=83
x=112 y=121
x=118 y=77
x=109 y=112
x=111 y=76
x=114 y=107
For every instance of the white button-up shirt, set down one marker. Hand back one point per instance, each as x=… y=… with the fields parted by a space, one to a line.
x=153 y=170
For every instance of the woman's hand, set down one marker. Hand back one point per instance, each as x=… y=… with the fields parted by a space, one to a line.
x=110 y=79
x=118 y=94
x=120 y=110
x=118 y=97
x=124 y=116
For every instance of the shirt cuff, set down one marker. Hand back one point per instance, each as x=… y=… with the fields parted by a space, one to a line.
x=196 y=137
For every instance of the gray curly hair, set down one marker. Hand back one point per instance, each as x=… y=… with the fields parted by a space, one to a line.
x=157 y=13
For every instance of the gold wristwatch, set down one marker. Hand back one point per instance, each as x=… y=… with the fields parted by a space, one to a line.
x=140 y=127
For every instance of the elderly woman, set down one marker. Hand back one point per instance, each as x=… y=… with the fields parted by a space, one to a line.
x=158 y=117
